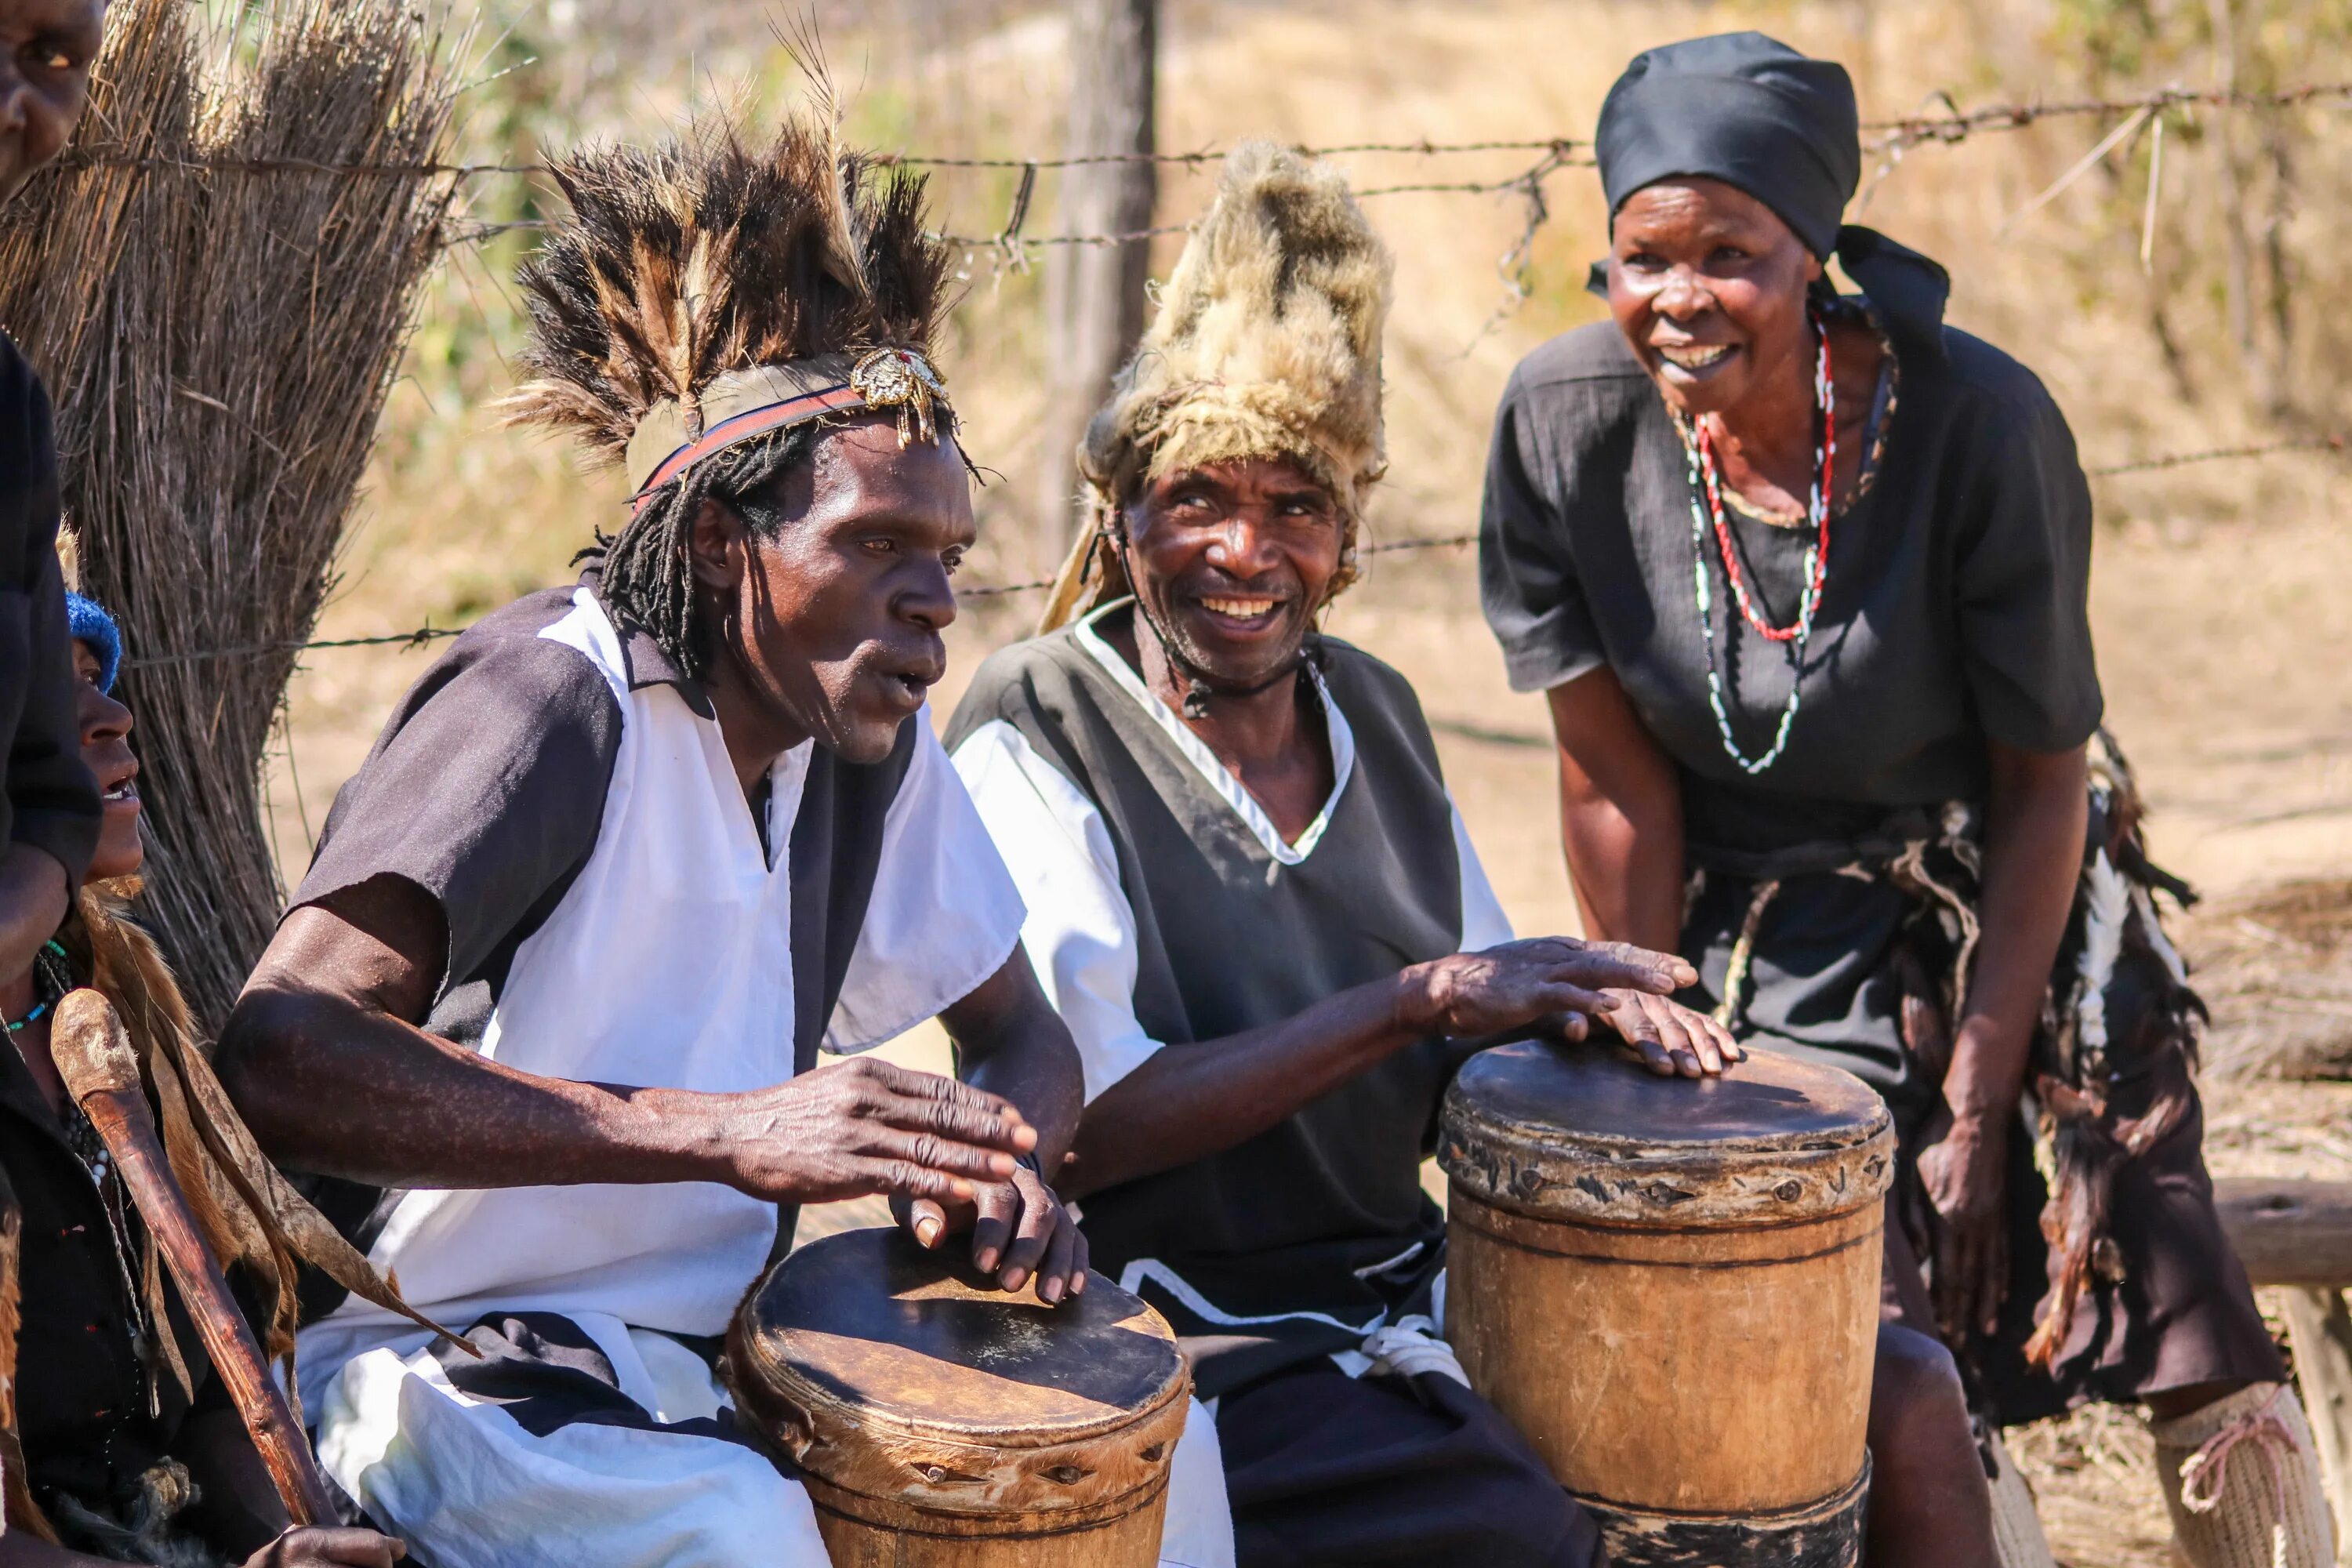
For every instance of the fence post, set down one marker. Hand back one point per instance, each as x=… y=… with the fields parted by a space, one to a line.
x=1095 y=293
x=2320 y=1329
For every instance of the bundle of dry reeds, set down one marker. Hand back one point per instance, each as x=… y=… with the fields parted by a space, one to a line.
x=218 y=385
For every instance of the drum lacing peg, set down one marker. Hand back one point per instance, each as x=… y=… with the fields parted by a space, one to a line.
x=940 y=1476
x=1151 y=1454
x=1066 y=1474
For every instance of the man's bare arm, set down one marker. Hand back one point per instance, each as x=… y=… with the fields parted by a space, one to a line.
x=325 y=1060
x=1190 y=1100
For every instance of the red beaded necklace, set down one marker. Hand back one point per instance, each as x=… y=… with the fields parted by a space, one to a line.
x=1817 y=505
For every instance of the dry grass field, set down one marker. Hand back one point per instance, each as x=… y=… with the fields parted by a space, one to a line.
x=2220 y=593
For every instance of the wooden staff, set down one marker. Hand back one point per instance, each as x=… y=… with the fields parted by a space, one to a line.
x=101 y=1072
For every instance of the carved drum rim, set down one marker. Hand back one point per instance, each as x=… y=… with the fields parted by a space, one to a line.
x=1543 y=1171
x=865 y=1454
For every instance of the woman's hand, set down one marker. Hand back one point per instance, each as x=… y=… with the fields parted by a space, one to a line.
x=1964 y=1167
x=1044 y=1239
x=1522 y=985
x=1673 y=1038
x=866 y=1126
x=316 y=1548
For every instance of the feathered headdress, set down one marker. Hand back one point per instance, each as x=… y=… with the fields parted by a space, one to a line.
x=702 y=293
x=1267 y=343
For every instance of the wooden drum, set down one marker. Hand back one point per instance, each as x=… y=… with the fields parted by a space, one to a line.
x=1671 y=1288
x=943 y=1423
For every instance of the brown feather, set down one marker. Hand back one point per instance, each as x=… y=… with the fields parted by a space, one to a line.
x=704 y=255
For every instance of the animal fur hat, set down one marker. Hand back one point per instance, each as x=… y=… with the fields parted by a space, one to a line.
x=1267 y=343
x=702 y=293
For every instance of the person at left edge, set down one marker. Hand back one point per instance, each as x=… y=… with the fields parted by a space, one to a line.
x=49 y=811
x=112 y=1455
x=548 y=1005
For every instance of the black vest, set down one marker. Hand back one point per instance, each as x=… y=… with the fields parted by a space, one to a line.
x=1324 y=1213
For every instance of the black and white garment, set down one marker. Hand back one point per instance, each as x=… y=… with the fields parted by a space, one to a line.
x=1165 y=908
x=1303 y=1269
x=616 y=914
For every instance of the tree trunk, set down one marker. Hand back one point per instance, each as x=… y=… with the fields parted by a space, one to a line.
x=1095 y=293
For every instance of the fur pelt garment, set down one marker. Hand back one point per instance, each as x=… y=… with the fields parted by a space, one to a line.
x=2120 y=1007
x=1266 y=345
x=701 y=256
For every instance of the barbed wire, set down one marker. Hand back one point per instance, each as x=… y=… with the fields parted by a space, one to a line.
x=2215 y=454
x=1959 y=125
x=1952 y=126
x=424 y=636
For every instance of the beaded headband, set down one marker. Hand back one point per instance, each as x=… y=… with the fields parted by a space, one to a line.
x=742 y=405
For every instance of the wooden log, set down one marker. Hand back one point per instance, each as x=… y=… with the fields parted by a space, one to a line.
x=2289 y=1232
x=101 y=1072
x=2320 y=1329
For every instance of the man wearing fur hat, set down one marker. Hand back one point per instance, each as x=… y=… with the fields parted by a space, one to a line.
x=547 y=1008
x=1253 y=900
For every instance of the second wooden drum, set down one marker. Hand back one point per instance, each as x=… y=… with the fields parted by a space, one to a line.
x=940 y=1422
x=1671 y=1288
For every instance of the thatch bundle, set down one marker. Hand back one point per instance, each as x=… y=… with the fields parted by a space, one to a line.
x=217 y=282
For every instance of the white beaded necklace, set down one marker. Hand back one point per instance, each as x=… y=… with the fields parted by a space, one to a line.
x=1703 y=501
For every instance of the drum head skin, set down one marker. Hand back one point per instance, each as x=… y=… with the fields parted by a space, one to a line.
x=1581 y=1132
x=901 y=1373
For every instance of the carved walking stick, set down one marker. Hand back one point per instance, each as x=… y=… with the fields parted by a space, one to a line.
x=101 y=1072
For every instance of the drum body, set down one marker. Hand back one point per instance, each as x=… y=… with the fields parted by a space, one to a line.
x=1670 y=1288
x=940 y=1422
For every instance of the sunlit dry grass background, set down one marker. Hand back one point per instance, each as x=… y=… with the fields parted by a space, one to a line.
x=2220 y=589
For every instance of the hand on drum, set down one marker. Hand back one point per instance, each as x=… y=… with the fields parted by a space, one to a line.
x=1018 y=1228
x=1672 y=1038
x=866 y=1126
x=1559 y=986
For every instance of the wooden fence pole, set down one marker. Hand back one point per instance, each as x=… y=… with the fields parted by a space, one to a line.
x=1095 y=293
x=2321 y=1331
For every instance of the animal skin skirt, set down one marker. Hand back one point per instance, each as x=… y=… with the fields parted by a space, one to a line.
x=2121 y=1283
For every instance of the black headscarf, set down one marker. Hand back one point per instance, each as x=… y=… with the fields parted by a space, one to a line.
x=1756 y=114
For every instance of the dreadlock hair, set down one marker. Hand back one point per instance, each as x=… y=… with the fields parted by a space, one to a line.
x=700 y=256
x=648 y=573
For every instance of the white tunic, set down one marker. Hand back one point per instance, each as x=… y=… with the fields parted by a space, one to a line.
x=669 y=964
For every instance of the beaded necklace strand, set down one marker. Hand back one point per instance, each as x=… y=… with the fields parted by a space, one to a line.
x=1707 y=505
x=50 y=983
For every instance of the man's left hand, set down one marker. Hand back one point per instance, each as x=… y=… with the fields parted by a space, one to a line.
x=1018 y=1228
x=1963 y=1169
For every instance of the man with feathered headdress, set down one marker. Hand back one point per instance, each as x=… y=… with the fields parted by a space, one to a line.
x=545 y=1013
x=1252 y=898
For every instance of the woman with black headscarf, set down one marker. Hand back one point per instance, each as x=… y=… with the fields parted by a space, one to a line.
x=1804 y=575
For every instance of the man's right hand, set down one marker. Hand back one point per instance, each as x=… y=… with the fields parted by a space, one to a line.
x=1528 y=984
x=1521 y=984
x=329 y=1549
x=864 y=1126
